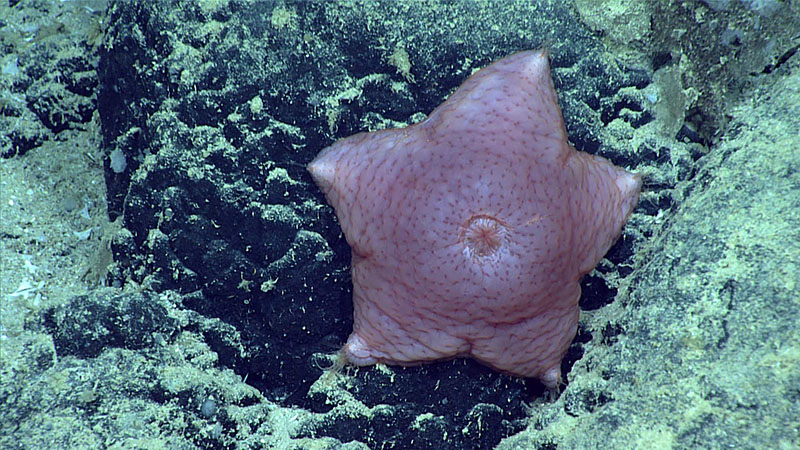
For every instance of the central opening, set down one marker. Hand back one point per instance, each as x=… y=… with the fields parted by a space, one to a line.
x=483 y=236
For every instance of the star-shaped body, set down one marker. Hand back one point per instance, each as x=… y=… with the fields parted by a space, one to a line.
x=470 y=231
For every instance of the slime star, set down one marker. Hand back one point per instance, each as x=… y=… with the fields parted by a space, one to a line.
x=471 y=230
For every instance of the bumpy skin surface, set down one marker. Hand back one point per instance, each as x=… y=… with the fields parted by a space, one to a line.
x=471 y=230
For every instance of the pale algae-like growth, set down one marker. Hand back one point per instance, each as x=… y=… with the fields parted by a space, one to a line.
x=699 y=350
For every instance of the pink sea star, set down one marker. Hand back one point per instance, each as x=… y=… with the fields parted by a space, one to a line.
x=471 y=230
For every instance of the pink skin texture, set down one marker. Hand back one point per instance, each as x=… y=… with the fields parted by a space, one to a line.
x=470 y=231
